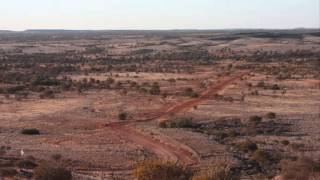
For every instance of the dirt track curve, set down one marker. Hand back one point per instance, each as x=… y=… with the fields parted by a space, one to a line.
x=164 y=147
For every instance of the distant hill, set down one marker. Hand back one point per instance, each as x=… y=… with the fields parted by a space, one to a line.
x=5 y=31
x=55 y=31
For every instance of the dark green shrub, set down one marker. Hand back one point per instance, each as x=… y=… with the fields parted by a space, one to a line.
x=30 y=132
x=285 y=142
x=122 y=116
x=182 y=122
x=271 y=115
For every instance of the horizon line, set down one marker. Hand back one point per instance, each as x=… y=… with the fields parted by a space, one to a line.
x=159 y=29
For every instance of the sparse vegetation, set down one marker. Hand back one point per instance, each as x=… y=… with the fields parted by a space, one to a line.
x=161 y=170
x=248 y=96
x=262 y=157
x=8 y=172
x=217 y=171
x=255 y=119
x=247 y=146
x=180 y=122
x=52 y=171
x=301 y=169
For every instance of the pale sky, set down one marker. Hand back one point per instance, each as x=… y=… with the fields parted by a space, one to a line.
x=158 y=14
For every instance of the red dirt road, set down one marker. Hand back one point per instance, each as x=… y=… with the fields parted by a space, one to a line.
x=163 y=147
x=204 y=96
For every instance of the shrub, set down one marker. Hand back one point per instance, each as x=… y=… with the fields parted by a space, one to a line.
x=155 y=89
x=56 y=157
x=52 y=171
x=122 y=116
x=285 y=142
x=275 y=87
x=255 y=119
x=47 y=94
x=185 y=123
x=163 y=124
x=218 y=171
x=189 y=92
x=247 y=146
x=262 y=157
x=271 y=115
x=182 y=122
x=161 y=170
x=30 y=132
x=26 y=164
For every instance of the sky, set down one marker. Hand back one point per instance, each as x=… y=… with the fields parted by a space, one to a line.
x=158 y=14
